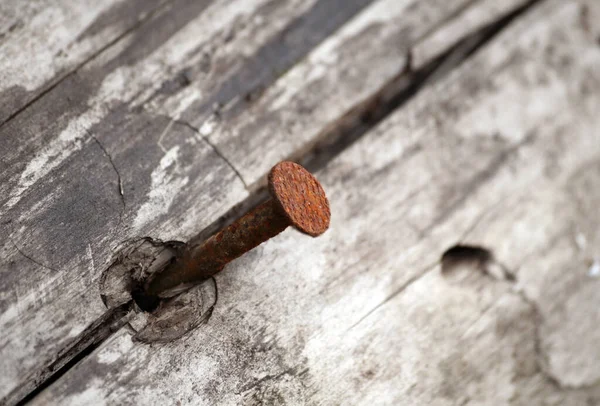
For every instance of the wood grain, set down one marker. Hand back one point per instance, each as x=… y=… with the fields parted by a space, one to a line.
x=87 y=167
x=289 y=117
x=41 y=43
x=111 y=151
x=503 y=154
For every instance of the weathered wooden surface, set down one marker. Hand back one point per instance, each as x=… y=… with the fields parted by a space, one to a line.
x=54 y=295
x=112 y=152
x=290 y=116
x=41 y=43
x=172 y=130
x=503 y=153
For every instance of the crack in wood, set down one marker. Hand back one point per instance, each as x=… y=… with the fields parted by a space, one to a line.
x=112 y=163
x=20 y=251
x=217 y=151
x=82 y=346
x=412 y=280
x=349 y=128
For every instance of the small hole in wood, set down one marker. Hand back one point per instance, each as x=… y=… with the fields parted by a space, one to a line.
x=123 y=280
x=466 y=255
x=155 y=319
x=145 y=302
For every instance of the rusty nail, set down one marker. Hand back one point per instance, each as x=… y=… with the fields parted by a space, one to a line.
x=297 y=199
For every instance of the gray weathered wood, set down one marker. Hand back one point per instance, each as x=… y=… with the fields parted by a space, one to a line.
x=108 y=155
x=289 y=117
x=63 y=228
x=503 y=153
x=43 y=42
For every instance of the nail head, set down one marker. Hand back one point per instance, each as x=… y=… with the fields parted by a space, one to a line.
x=301 y=198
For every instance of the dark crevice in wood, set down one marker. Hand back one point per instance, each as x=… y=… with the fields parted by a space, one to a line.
x=399 y=90
x=85 y=343
x=339 y=136
x=57 y=82
x=345 y=131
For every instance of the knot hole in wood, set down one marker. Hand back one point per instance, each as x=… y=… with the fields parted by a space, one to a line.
x=153 y=319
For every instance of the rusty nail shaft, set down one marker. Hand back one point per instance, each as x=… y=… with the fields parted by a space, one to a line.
x=297 y=199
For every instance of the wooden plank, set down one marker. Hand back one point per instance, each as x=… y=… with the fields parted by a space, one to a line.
x=501 y=153
x=122 y=120
x=43 y=42
x=64 y=228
